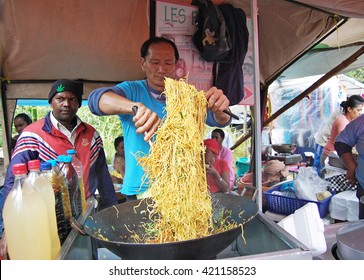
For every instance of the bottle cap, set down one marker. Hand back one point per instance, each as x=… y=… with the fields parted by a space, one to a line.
x=60 y=158
x=53 y=162
x=20 y=168
x=67 y=159
x=45 y=166
x=71 y=152
x=34 y=164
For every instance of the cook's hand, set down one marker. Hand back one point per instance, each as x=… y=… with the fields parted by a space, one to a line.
x=146 y=121
x=217 y=102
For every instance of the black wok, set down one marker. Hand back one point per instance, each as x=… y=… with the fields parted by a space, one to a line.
x=284 y=148
x=108 y=227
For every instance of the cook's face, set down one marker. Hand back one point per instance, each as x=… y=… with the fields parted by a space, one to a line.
x=65 y=106
x=217 y=137
x=19 y=124
x=158 y=64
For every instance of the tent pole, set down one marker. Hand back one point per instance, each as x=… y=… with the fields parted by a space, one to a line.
x=257 y=115
x=314 y=86
x=6 y=130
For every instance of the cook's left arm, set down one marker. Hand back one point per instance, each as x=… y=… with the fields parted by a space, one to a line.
x=217 y=102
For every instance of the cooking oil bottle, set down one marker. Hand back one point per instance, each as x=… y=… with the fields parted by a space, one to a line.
x=43 y=186
x=77 y=165
x=58 y=169
x=26 y=220
x=61 y=180
x=56 y=181
x=73 y=186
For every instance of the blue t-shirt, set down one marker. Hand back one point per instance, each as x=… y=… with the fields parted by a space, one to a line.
x=353 y=135
x=134 y=144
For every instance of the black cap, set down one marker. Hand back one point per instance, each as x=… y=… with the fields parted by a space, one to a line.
x=66 y=85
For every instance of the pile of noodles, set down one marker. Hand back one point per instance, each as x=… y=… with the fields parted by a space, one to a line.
x=175 y=168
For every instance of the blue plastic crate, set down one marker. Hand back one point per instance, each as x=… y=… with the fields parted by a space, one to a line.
x=287 y=205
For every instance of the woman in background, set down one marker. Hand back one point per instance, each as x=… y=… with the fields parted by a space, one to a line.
x=217 y=170
x=21 y=121
x=352 y=109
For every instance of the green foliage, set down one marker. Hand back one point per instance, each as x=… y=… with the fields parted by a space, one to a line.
x=357 y=74
x=109 y=127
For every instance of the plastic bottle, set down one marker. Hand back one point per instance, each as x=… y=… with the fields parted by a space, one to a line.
x=26 y=220
x=73 y=186
x=44 y=186
x=77 y=165
x=62 y=224
x=64 y=190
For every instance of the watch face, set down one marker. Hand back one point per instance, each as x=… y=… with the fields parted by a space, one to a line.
x=180 y=68
x=180 y=72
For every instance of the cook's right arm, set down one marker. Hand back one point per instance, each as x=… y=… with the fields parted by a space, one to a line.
x=112 y=101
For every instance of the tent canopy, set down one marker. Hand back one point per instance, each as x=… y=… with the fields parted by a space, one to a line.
x=98 y=41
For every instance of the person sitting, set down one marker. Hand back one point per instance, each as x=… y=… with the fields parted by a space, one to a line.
x=225 y=154
x=217 y=170
x=119 y=145
x=21 y=121
x=117 y=175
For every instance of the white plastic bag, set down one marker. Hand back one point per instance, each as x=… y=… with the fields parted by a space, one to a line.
x=308 y=183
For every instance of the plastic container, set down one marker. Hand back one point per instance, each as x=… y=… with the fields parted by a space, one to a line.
x=72 y=185
x=26 y=220
x=58 y=183
x=243 y=165
x=287 y=205
x=77 y=165
x=44 y=187
x=61 y=181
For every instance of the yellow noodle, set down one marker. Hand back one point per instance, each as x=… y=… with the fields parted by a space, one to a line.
x=182 y=207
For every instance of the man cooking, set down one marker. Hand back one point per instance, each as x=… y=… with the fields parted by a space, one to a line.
x=158 y=60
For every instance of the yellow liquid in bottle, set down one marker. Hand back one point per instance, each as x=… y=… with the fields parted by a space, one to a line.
x=26 y=225
x=43 y=185
x=61 y=181
x=83 y=196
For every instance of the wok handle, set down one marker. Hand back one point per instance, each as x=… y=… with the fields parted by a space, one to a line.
x=77 y=226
